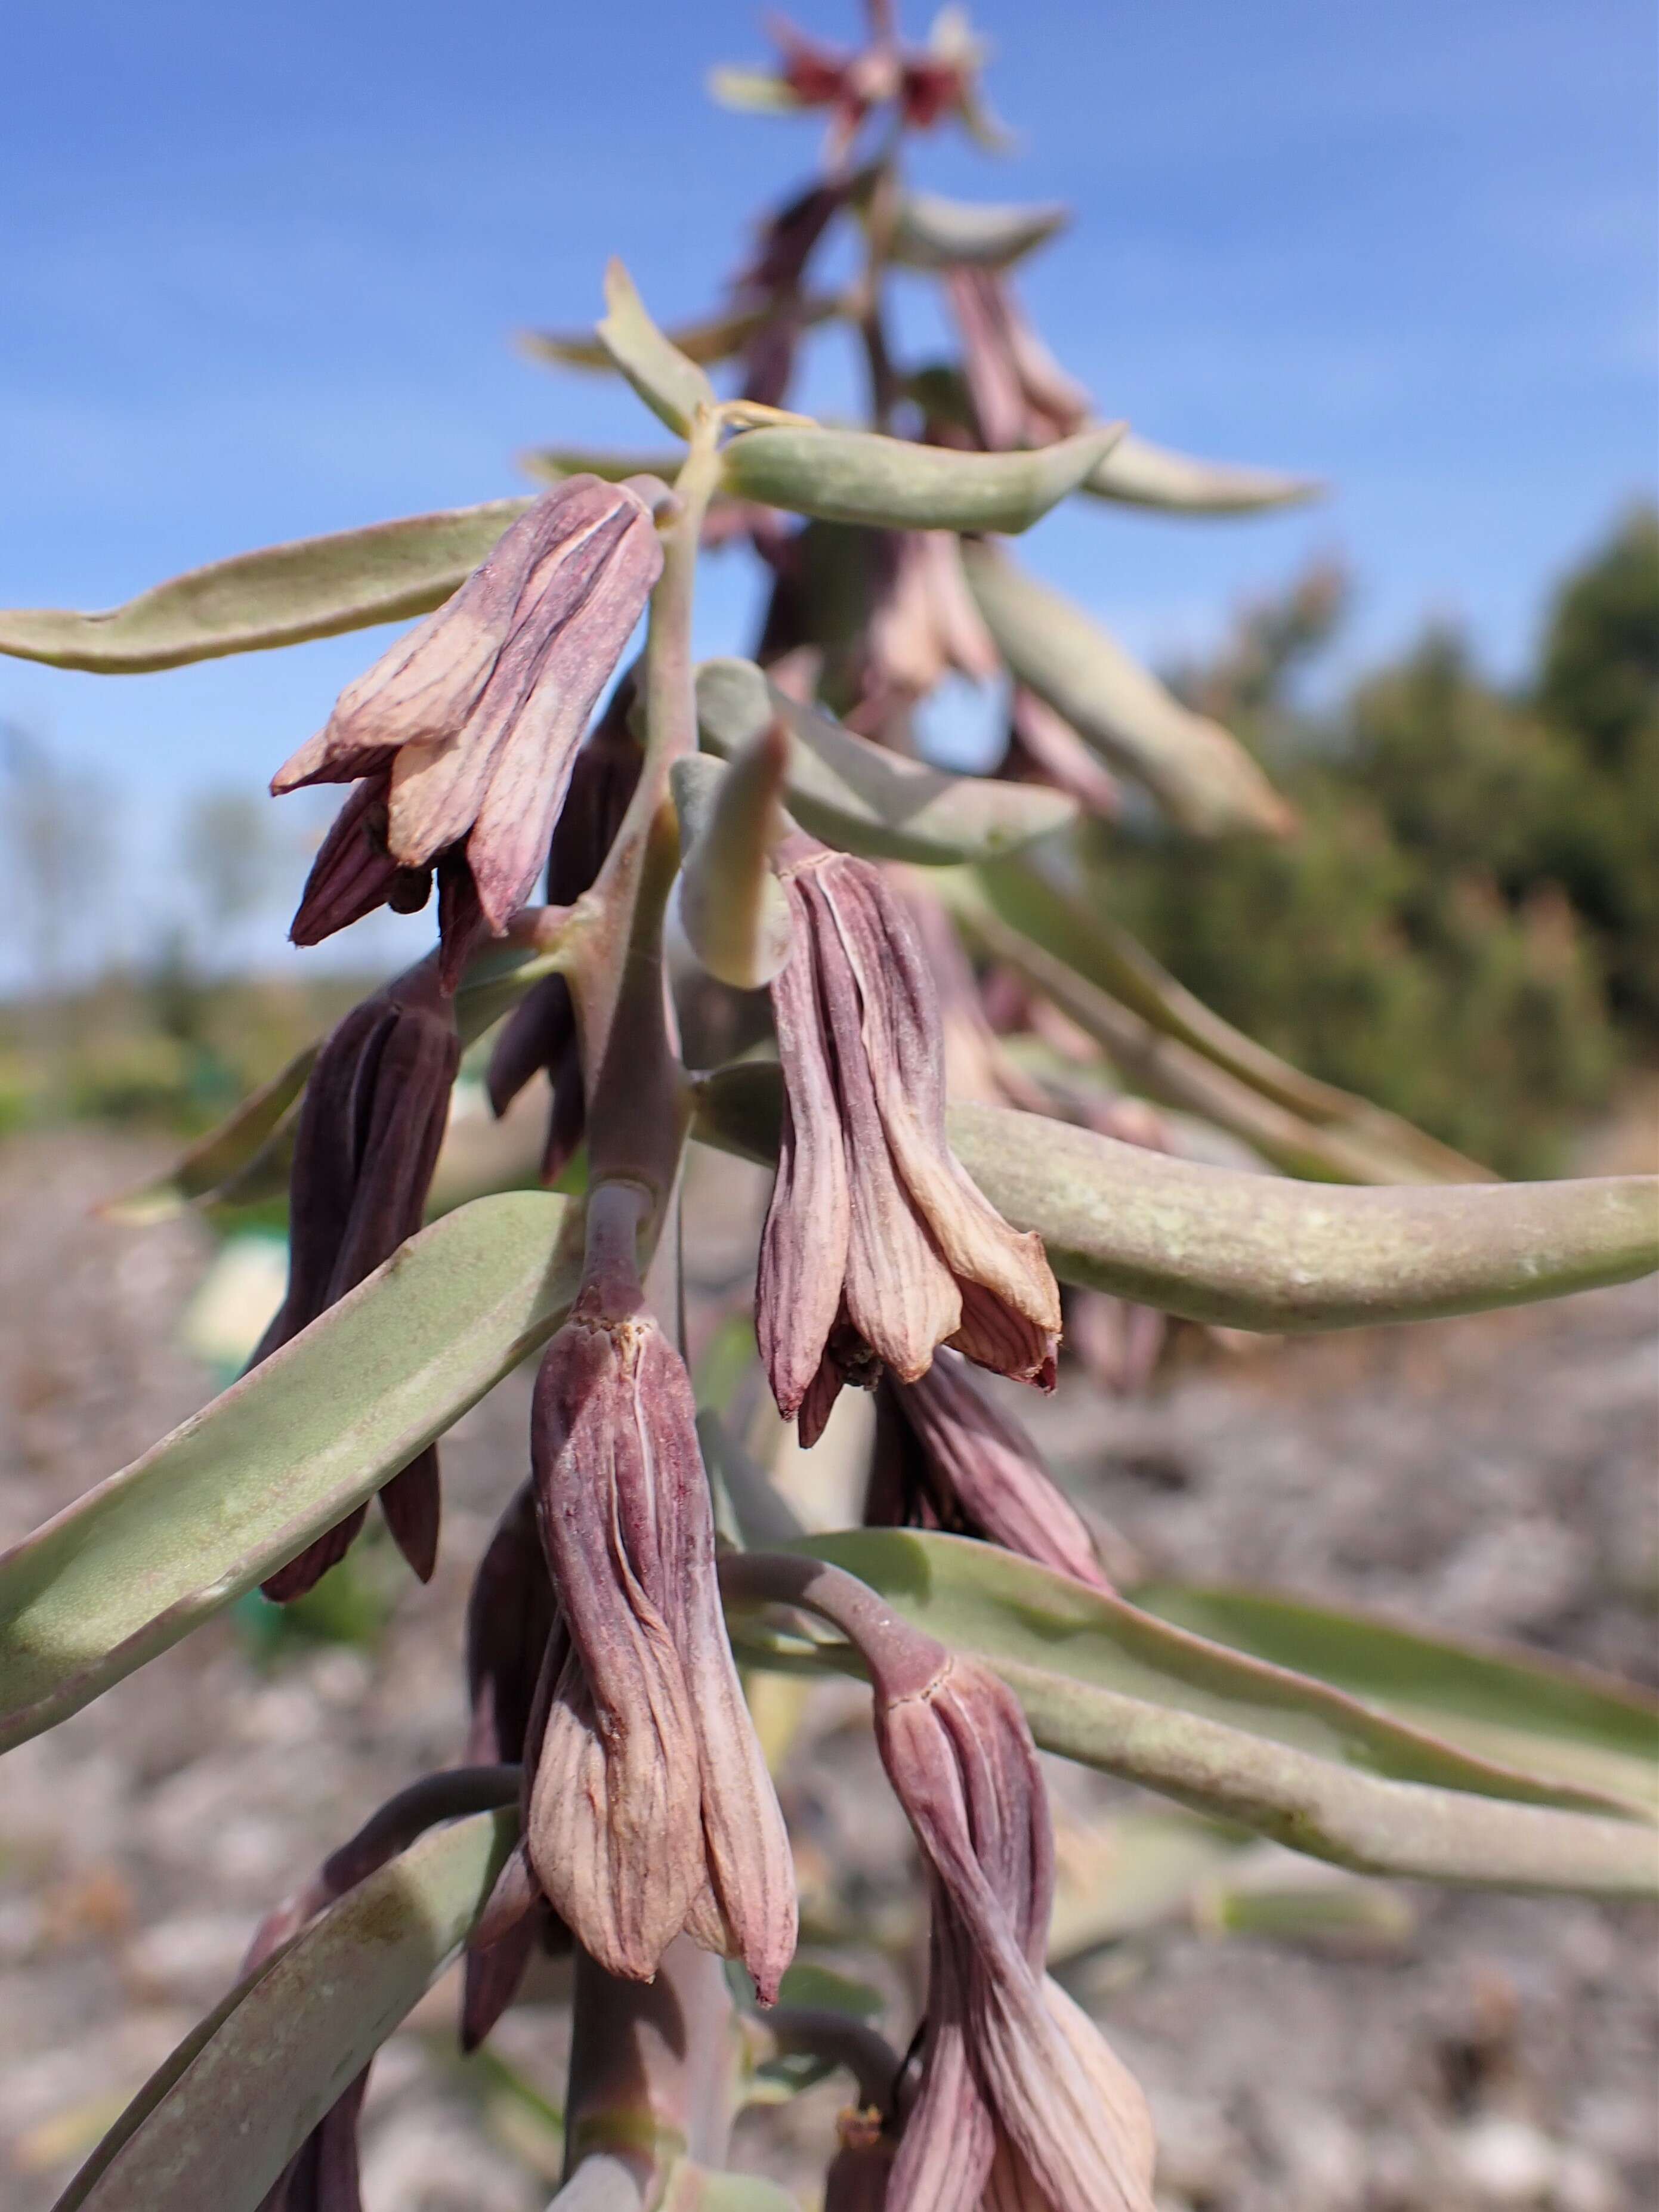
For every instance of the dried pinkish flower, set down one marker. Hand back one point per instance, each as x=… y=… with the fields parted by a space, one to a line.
x=1044 y=748
x=877 y=1246
x=947 y=1458
x=370 y=1130
x=1020 y=394
x=1021 y=2103
x=926 y=624
x=462 y=737
x=651 y=1809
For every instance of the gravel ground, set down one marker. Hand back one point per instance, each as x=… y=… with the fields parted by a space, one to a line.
x=1495 y=1476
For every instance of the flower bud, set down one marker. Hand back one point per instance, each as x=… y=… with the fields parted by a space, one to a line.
x=370 y=1127
x=947 y=1458
x=877 y=1246
x=466 y=729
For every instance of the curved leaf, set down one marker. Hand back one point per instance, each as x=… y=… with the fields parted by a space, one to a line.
x=862 y=797
x=1197 y=771
x=1046 y=896
x=224 y=1153
x=221 y=2117
x=1145 y=474
x=669 y=382
x=1065 y=1651
x=313 y=587
x=553 y=464
x=140 y=1561
x=854 y=476
x=707 y=342
x=1523 y=1707
x=1255 y=1251
x=929 y=232
x=976 y=1596
x=1166 y=1068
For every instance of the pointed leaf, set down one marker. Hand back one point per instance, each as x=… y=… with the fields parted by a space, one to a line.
x=669 y=382
x=140 y=1561
x=1256 y=1251
x=1098 y=1685
x=314 y=587
x=553 y=464
x=707 y=342
x=1170 y=1070
x=1197 y=771
x=732 y=906
x=929 y=232
x=1145 y=474
x=221 y=2117
x=862 y=797
x=853 y=476
x=752 y=91
x=1047 y=896
x=1524 y=1708
x=218 y=1158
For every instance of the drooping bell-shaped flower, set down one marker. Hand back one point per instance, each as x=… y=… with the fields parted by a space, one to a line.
x=461 y=738
x=1021 y=2104
x=947 y=1458
x=878 y=1247
x=1020 y=394
x=370 y=1130
x=650 y=1810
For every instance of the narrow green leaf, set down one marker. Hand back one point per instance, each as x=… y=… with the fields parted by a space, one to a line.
x=1098 y=1686
x=218 y=1158
x=862 y=797
x=1197 y=771
x=975 y=1596
x=139 y=1561
x=1145 y=474
x=669 y=382
x=929 y=232
x=853 y=476
x=707 y=342
x=733 y=908
x=752 y=91
x=1256 y=1251
x=221 y=2117
x=553 y=464
x=1170 y=1070
x=314 y=587
x=1048 y=897
x=1523 y=1707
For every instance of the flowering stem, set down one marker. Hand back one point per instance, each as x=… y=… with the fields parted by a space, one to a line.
x=903 y=1660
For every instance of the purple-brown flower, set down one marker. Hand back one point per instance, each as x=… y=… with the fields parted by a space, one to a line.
x=651 y=1809
x=947 y=1458
x=878 y=1247
x=1020 y=394
x=1021 y=2105
x=461 y=738
x=370 y=1130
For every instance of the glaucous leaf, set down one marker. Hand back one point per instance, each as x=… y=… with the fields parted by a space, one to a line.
x=1170 y=1070
x=553 y=464
x=1197 y=771
x=1256 y=1251
x=1145 y=474
x=1268 y=1751
x=314 y=587
x=223 y=1154
x=146 y=1556
x=860 y=797
x=929 y=232
x=1047 y=896
x=707 y=342
x=669 y=382
x=855 y=476
x=732 y=907
x=1524 y=1708
x=220 y=2119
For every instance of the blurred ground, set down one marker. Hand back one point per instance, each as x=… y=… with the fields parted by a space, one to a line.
x=1494 y=1475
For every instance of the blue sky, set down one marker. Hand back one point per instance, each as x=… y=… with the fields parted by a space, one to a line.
x=262 y=266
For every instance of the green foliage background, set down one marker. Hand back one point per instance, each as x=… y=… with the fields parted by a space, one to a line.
x=1467 y=926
